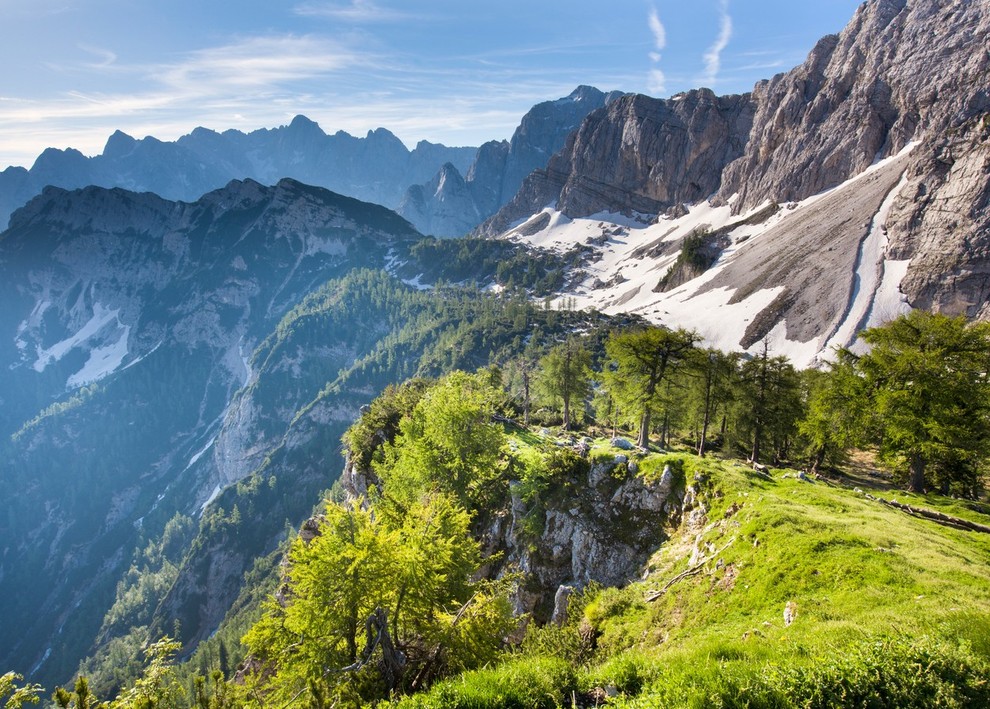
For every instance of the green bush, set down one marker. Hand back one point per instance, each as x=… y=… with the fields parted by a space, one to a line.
x=524 y=683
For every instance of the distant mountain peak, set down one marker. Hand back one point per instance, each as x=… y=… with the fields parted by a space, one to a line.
x=119 y=144
x=301 y=122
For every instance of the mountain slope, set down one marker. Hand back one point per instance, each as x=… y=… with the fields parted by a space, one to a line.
x=130 y=322
x=450 y=205
x=885 y=130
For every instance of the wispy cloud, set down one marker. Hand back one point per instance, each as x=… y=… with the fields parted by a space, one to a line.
x=258 y=62
x=266 y=80
x=656 y=80
x=358 y=11
x=658 y=30
x=105 y=58
x=713 y=57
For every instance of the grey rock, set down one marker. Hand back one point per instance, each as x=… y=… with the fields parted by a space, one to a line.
x=500 y=167
x=638 y=154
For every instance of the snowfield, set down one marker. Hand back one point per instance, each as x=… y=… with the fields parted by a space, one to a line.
x=839 y=279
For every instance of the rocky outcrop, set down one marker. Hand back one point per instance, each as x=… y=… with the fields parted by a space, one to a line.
x=602 y=527
x=638 y=154
x=500 y=167
x=604 y=532
x=443 y=206
x=901 y=71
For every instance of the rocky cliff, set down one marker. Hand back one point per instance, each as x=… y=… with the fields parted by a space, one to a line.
x=600 y=524
x=499 y=168
x=876 y=146
x=638 y=154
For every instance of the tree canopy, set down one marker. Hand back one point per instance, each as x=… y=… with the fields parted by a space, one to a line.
x=927 y=395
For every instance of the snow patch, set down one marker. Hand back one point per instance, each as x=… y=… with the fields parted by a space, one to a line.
x=869 y=274
x=211 y=498
x=102 y=361
x=148 y=354
x=101 y=318
x=199 y=454
x=889 y=301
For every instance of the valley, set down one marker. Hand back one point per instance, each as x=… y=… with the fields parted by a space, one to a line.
x=209 y=347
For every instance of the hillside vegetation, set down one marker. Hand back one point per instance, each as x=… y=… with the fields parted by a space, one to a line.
x=762 y=585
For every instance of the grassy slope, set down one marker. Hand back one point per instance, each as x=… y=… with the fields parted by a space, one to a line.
x=890 y=609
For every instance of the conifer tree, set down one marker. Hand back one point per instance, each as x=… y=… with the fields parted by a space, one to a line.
x=564 y=375
x=641 y=361
x=926 y=388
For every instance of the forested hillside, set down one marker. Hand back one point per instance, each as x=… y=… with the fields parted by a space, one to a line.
x=434 y=575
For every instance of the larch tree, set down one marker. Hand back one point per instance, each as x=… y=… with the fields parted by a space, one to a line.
x=927 y=390
x=564 y=375
x=640 y=363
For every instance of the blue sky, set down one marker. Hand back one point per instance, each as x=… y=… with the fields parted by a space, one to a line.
x=458 y=72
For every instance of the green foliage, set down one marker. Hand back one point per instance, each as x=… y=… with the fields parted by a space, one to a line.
x=699 y=250
x=416 y=566
x=512 y=266
x=641 y=362
x=15 y=696
x=157 y=687
x=525 y=683
x=833 y=417
x=448 y=443
x=564 y=376
x=380 y=423
x=881 y=672
x=925 y=381
x=767 y=406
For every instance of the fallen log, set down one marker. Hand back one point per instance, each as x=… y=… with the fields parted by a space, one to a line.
x=654 y=595
x=939 y=517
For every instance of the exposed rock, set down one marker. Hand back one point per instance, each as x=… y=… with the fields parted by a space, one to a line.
x=560 y=603
x=376 y=168
x=605 y=535
x=499 y=168
x=638 y=154
x=442 y=207
x=622 y=444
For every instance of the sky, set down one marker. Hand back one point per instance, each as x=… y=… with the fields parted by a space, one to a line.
x=458 y=72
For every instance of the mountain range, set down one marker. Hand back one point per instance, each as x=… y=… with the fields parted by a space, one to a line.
x=188 y=327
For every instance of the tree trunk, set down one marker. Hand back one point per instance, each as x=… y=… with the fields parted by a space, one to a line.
x=917 y=463
x=755 y=454
x=818 y=460
x=567 y=413
x=644 y=430
x=526 y=398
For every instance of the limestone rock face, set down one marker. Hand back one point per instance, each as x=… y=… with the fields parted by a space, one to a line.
x=638 y=154
x=900 y=71
x=905 y=84
x=444 y=206
x=499 y=168
x=604 y=533
x=376 y=168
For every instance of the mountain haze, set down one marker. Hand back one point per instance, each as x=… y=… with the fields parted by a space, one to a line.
x=376 y=168
x=189 y=327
